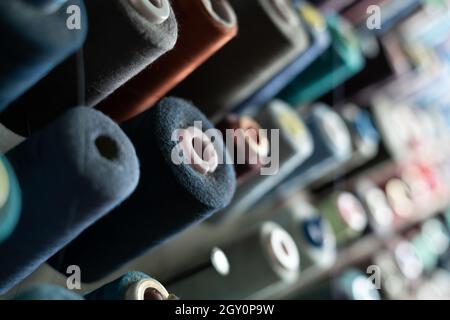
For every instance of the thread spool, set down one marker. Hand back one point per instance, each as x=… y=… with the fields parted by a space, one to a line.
x=47 y=292
x=203 y=280
x=346 y=215
x=214 y=20
x=352 y=284
x=10 y=199
x=408 y=260
x=197 y=190
x=365 y=137
x=432 y=243
x=318 y=38
x=124 y=37
x=250 y=146
x=8 y=139
x=400 y=199
x=339 y=62
x=312 y=234
x=131 y=286
x=61 y=171
x=48 y=6
x=392 y=281
x=292 y=144
x=273 y=27
x=332 y=146
x=263 y=257
x=34 y=39
x=381 y=216
x=379 y=68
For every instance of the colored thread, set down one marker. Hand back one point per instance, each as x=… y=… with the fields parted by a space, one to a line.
x=205 y=27
x=168 y=199
x=61 y=171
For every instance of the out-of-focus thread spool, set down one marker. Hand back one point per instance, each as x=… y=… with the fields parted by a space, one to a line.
x=205 y=27
x=346 y=214
x=339 y=62
x=332 y=146
x=47 y=292
x=312 y=233
x=34 y=38
x=275 y=28
x=10 y=199
x=250 y=146
x=203 y=279
x=292 y=144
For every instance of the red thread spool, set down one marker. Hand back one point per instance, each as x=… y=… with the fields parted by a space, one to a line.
x=249 y=145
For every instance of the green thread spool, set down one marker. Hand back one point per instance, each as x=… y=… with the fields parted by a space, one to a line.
x=346 y=215
x=339 y=62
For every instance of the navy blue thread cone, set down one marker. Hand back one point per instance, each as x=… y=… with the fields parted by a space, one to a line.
x=32 y=42
x=71 y=174
x=168 y=199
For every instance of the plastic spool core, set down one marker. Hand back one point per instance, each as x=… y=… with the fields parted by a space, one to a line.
x=199 y=150
x=146 y=289
x=155 y=11
x=436 y=236
x=399 y=196
x=258 y=144
x=220 y=261
x=4 y=185
x=379 y=207
x=335 y=131
x=408 y=261
x=283 y=250
x=284 y=11
x=221 y=11
x=363 y=289
x=351 y=211
x=107 y=148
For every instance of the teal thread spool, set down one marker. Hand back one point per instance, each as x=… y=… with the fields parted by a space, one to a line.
x=339 y=62
x=432 y=243
x=131 y=286
x=47 y=292
x=10 y=199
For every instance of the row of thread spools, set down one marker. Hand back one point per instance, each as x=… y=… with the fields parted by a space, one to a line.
x=82 y=165
x=414 y=263
x=141 y=51
x=407 y=192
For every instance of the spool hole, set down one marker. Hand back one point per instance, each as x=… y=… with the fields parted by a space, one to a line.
x=283 y=10
x=196 y=142
x=107 y=148
x=156 y=3
x=152 y=294
x=219 y=8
